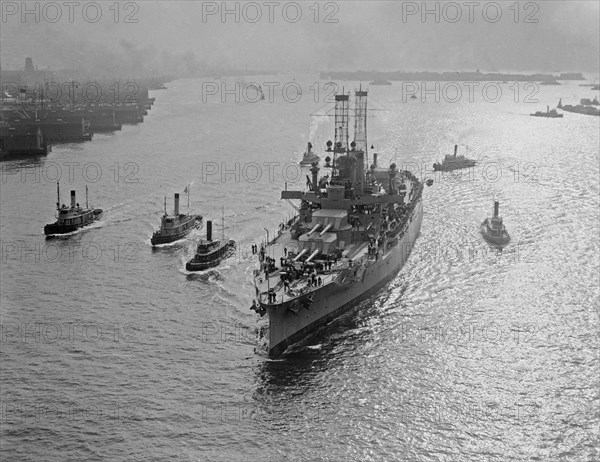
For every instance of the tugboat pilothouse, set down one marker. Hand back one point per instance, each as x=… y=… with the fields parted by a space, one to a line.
x=352 y=235
x=72 y=218
x=177 y=226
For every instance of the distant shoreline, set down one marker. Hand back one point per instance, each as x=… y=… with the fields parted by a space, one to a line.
x=447 y=76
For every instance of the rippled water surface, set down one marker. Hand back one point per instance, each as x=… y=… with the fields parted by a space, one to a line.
x=112 y=351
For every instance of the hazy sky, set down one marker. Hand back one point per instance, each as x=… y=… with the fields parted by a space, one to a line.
x=386 y=35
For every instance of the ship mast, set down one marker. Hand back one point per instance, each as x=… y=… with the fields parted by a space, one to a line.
x=223 y=224
x=165 y=205
x=86 y=197
x=57 y=196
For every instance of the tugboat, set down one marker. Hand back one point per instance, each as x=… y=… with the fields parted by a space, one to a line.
x=351 y=236
x=552 y=114
x=177 y=226
x=493 y=230
x=309 y=157
x=211 y=252
x=453 y=162
x=74 y=217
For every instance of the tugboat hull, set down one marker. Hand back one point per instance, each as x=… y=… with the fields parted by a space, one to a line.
x=158 y=238
x=501 y=239
x=292 y=321
x=201 y=266
x=56 y=228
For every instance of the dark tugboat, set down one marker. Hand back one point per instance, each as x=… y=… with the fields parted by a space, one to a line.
x=453 y=162
x=72 y=218
x=309 y=157
x=177 y=226
x=210 y=252
x=493 y=230
x=552 y=114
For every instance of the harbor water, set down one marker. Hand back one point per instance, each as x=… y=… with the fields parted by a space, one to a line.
x=111 y=350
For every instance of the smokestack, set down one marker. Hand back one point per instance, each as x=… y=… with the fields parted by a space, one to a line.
x=375 y=159
x=209 y=230
x=73 y=202
x=496 y=207
x=455 y=149
x=315 y=173
x=176 y=204
x=360 y=170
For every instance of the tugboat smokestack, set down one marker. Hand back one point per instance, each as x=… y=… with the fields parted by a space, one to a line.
x=176 y=204
x=375 y=159
x=209 y=230
x=455 y=149
x=496 y=207
x=73 y=201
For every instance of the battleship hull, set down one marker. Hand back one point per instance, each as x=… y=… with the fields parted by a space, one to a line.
x=293 y=320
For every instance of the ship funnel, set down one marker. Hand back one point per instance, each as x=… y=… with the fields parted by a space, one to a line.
x=455 y=149
x=176 y=213
x=309 y=149
x=375 y=159
x=496 y=207
x=73 y=202
x=315 y=178
x=209 y=230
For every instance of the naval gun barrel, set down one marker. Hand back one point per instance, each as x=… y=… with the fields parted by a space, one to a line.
x=327 y=228
x=312 y=255
x=314 y=229
x=297 y=257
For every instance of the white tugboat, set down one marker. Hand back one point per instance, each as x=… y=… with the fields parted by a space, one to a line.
x=176 y=226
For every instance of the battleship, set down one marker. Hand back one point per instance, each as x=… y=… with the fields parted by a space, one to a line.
x=309 y=156
x=71 y=218
x=176 y=226
x=453 y=162
x=550 y=113
x=493 y=230
x=211 y=252
x=352 y=234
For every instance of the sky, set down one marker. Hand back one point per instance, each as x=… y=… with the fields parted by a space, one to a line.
x=193 y=37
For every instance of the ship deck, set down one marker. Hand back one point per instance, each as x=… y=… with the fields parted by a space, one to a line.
x=357 y=252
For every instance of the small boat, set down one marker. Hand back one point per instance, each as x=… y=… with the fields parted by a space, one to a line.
x=579 y=109
x=552 y=114
x=72 y=218
x=380 y=82
x=309 y=157
x=413 y=96
x=176 y=226
x=210 y=252
x=454 y=162
x=493 y=230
